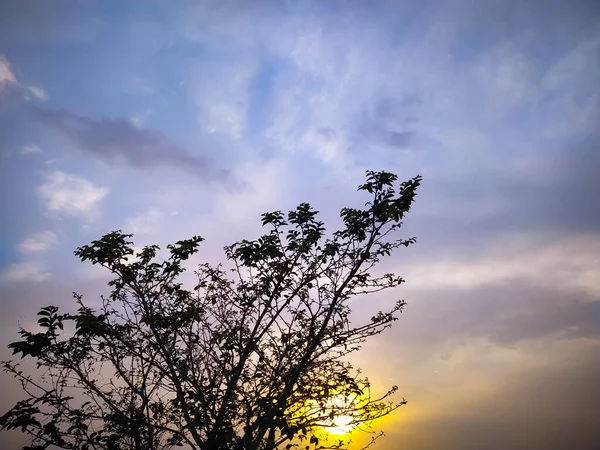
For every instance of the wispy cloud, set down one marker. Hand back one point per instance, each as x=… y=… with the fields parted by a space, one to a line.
x=115 y=140
x=144 y=223
x=26 y=271
x=29 y=149
x=67 y=193
x=221 y=95
x=39 y=242
x=7 y=77
x=12 y=90
x=37 y=93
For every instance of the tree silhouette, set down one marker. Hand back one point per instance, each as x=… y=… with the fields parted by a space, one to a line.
x=253 y=357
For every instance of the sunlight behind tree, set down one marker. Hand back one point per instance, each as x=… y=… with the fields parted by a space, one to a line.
x=343 y=422
x=253 y=357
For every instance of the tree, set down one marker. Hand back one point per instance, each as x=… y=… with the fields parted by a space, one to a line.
x=253 y=357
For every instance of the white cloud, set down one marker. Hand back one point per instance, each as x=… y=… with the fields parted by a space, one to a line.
x=569 y=262
x=37 y=92
x=268 y=184
x=228 y=118
x=506 y=77
x=222 y=96
x=68 y=193
x=10 y=86
x=311 y=54
x=565 y=73
x=145 y=223
x=329 y=78
x=29 y=149
x=6 y=74
x=26 y=271
x=137 y=121
x=39 y=242
x=328 y=145
x=568 y=98
x=228 y=23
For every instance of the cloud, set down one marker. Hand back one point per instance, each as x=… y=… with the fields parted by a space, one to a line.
x=220 y=90
x=543 y=396
x=387 y=123
x=505 y=315
x=12 y=91
x=71 y=194
x=506 y=76
x=39 y=242
x=327 y=144
x=145 y=223
x=268 y=184
x=37 y=92
x=571 y=320
x=533 y=191
x=29 y=149
x=6 y=74
x=506 y=293
x=137 y=121
x=26 y=271
x=575 y=75
x=514 y=257
x=119 y=139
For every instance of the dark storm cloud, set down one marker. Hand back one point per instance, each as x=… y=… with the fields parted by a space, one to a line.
x=571 y=320
x=114 y=139
x=556 y=194
x=505 y=313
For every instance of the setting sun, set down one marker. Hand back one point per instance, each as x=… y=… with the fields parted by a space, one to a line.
x=341 y=425
x=342 y=422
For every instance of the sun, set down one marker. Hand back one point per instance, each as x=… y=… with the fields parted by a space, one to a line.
x=341 y=425
x=337 y=415
x=341 y=422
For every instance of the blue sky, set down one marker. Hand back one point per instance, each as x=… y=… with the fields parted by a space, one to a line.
x=170 y=119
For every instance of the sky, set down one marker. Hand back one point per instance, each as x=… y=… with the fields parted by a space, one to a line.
x=172 y=119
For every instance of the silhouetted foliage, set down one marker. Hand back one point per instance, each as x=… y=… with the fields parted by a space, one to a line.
x=253 y=357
